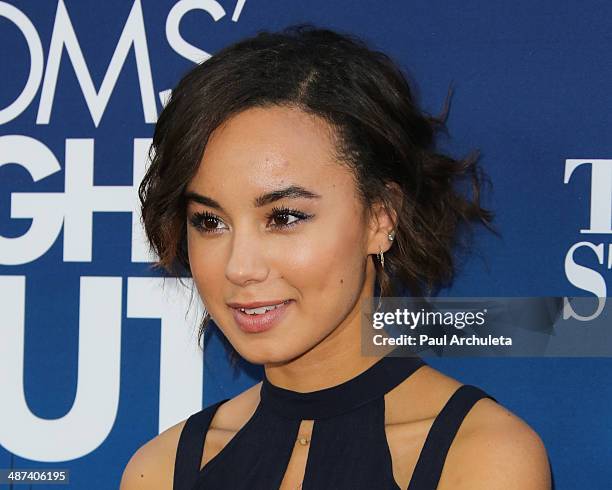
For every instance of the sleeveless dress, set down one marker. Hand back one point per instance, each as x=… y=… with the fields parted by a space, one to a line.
x=348 y=447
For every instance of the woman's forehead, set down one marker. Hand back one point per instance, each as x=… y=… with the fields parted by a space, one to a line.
x=272 y=147
x=271 y=133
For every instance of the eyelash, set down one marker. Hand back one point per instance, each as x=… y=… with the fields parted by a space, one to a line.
x=197 y=219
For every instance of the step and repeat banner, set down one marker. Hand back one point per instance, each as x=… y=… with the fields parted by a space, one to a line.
x=98 y=351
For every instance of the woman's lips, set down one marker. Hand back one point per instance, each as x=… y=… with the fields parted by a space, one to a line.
x=260 y=323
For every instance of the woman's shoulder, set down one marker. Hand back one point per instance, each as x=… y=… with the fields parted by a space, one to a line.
x=496 y=449
x=151 y=467
x=493 y=447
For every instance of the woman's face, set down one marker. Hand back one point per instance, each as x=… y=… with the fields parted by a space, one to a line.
x=310 y=246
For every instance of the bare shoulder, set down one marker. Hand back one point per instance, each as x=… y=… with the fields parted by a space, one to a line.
x=234 y=413
x=151 y=467
x=493 y=448
x=496 y=449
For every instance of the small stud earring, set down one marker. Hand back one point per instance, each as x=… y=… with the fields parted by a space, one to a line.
x=391 y=236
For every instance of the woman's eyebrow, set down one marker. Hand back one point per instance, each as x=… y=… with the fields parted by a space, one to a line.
x=290 y=192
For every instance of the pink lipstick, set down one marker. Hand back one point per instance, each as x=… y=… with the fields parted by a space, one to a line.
x=260 y=322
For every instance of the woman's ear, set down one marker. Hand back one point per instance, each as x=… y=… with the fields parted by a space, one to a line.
x=396 y=195
x=383 y=219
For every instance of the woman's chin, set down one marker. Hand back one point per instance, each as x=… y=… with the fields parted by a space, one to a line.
x=264 y=355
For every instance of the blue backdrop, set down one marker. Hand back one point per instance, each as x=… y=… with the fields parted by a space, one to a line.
x=96 y=358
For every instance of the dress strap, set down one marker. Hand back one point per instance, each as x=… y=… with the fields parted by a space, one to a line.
x=191 y=446
x=429 y=466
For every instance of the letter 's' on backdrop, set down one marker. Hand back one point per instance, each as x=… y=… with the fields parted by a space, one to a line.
x=96 y=358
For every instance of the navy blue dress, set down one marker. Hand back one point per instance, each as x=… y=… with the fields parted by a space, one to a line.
x=348 y=447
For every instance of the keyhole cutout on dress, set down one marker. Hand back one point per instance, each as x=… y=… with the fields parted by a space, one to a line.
x=294 y=474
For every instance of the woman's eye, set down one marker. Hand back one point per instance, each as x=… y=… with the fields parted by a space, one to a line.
x=205 y=222
x=284 y=219
x=284 y=215
x=279 y=219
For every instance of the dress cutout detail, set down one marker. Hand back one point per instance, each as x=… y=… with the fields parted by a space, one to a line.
x=348 y=446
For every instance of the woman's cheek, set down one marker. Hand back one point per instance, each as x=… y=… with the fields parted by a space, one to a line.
x=207 y=272
x=330 y=265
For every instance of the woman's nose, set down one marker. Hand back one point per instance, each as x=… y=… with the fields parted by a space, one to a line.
x=246 y=259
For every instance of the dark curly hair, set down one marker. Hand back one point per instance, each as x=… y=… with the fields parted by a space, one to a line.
x=381 y=135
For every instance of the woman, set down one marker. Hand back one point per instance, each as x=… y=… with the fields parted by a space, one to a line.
x=291 y=174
